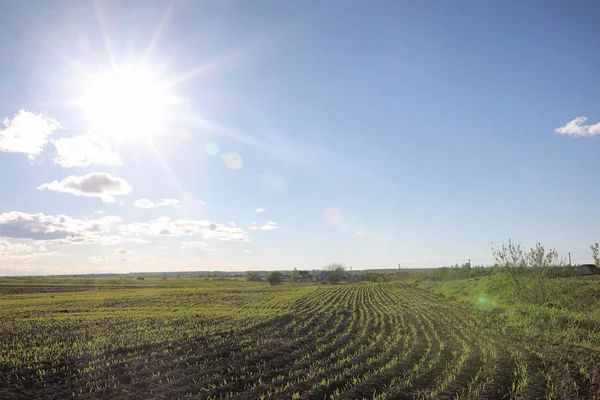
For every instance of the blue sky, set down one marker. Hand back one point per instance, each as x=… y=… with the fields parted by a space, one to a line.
x=183 y=135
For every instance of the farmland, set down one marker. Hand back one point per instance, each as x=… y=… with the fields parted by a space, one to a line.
x=211 y=339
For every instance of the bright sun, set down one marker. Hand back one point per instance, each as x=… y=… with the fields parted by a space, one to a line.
x=126 y=102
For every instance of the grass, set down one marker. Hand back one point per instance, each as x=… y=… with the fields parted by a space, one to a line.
x=571 y=316
x=209 y=339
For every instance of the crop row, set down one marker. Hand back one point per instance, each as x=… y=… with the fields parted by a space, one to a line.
x=374 y=341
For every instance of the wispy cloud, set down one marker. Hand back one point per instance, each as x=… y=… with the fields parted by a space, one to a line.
x=98 y=259
x=577 y=127
x=20 y=252
x=247 y=251
x=33 y=256
x=8 y=248
x=83 y=151
x=196 y=245
x=27 y=133
x=165 y=226
x=269 y=226
x=123 y=252
x=101 y=185
x=259 y=210
x=145 y=203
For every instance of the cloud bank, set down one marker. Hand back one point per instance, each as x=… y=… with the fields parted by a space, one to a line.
x=165 y=226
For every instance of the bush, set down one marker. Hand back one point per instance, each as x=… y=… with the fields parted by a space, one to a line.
x=596 y=253
x=250 y=277
x=529 y=271
x=374 y=277
x=275 y=278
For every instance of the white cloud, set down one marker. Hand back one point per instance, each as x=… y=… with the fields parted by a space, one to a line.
x=233 y=160
x=101 y=185
x=26 y=133
x=145 y=203
x=21 y=252
x=167 y=203
x=269 y=226
x=83 y=151
x=577 y=127
x=60 y=229
x=17 y=248
x=7 y=248
x=259 y=210
x=165 y=226
x=247 y=251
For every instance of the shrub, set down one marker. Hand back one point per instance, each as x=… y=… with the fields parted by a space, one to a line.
x=529 y=271
x=251 y=277
x=275 y=278
x=596 y=253
x=374 y=277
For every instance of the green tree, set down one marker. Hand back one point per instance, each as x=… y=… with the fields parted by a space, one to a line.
x=335 y=272
x=295 y=275
x=275 y=278
x=596 y=253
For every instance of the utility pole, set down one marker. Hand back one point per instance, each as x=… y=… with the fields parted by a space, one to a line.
x=570 y=260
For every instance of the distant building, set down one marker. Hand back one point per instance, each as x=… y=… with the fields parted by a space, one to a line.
x=586 y=269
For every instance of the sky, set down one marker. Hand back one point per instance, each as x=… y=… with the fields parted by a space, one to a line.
x=236 y=135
